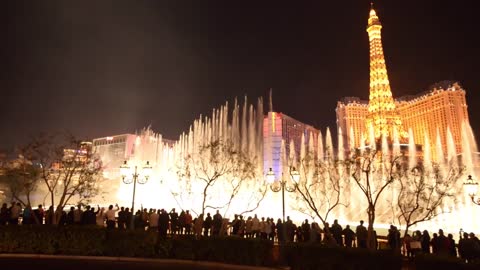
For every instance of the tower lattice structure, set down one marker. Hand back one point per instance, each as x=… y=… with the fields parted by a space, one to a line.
x=382 y=114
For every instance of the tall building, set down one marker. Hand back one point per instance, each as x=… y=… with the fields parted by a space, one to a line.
x=115 y=149
x=382 y=113
x=440 y=110
x=277 y=127
x=351 y=115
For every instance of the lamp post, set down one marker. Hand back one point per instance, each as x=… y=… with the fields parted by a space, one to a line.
x=281 y=185
x=135 y=177
x=471 y=188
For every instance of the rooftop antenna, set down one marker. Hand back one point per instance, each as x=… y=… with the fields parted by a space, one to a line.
x=270 y=108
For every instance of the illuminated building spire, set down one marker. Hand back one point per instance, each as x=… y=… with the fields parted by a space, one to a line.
x=382 y=114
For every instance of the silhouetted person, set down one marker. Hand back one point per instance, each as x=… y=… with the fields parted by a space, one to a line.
x=290 y=230
x=362 y=235
x=163 y=224
x=39 y=214
x=122 y=218
x=173 y=221
x=4 y=214
x=70 y=219
x=207 y=225
x=349 y=236
x=128 y=218
x=452 y=251
x=425 y=242
x=217 y=223
x=306 y=231
x=336 y=231
x=110 y=216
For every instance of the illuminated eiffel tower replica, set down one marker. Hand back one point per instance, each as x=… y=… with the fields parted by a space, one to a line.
x=383 y=120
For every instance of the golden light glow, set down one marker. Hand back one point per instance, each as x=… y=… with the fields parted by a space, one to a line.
x=382 y=113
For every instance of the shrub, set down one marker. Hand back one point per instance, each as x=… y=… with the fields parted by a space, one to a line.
x=316 y=256
x=429 y=261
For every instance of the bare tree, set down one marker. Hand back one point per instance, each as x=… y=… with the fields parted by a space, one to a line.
x=68 y=169
x=422 y=193
x=21 y=178
x=220 y=171
x=373 y=172
x=319 y=186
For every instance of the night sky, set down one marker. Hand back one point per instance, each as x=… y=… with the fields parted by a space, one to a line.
x=100 y=68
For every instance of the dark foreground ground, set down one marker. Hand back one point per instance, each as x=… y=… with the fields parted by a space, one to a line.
x=40 y=262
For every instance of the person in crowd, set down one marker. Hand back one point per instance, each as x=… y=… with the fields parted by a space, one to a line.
x=188 y=222
x=289 y=230
x=173 y=221
x=39 y=214
x=452 y=251
x=235 y=225
x=4 y=214
x=137 y=220
x=70 y=216
x=336 y=231
x=110 y=216
x=181 y=222
x=416 y=244
x=153 y=220
x=349 y=236
x=315 y=233
x=442 y=243
x=15 y=210
x=248 y=227
x=298 y=233
x=241 y=229
x=217 y=223
x=122 y=219
x=207 y=225
x=407 y=240
x=329 y=240
x=128 y=218
x=280 y=231
x=393 y=238
x=163 y=221
x=272 y=229
x=306 y=231
x=77 y=215
x=198 y=226
x=362 y=235
x=49 y=216
x=27 y=215
x=263 y=228
x=144 y=218
x=425 y=242
x=256 y=226
x=434 y=243
x=61 y=216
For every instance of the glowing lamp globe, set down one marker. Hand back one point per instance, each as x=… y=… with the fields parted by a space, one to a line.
x=147 y=170
x=270 y=177
x=470 y=186
x=124 y=170
x=295 y=175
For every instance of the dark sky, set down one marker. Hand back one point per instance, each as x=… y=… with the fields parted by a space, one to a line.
x=100 y=68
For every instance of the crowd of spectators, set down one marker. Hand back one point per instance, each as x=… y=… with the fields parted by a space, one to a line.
x=165 y=223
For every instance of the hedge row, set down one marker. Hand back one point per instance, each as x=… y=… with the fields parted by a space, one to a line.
x=315 y=256
x=94 y=241
x=425 y=262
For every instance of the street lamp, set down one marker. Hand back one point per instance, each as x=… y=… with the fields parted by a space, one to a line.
x=135 y=177
x=281 y=185
x=471 y=188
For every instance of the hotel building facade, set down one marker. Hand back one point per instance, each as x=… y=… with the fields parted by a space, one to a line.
x=440 y=110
